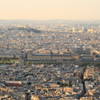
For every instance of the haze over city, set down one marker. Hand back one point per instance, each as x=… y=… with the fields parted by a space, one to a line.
x=49 y=49
x=50 y=9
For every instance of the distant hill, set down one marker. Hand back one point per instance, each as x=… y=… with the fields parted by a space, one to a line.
x=25 y=29
x=20 y=21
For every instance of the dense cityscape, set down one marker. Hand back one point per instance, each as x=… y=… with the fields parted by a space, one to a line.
x=50 y=61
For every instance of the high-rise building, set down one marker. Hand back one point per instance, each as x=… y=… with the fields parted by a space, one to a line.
x=73 y=29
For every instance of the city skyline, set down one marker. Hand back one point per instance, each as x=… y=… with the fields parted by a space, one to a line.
x=50 y=9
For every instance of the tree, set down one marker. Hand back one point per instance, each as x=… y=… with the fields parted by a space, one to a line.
x=58 y=82
x=70 y=84
x=29 y=83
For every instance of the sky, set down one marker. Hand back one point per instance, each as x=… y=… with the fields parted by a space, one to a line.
x=50 y=9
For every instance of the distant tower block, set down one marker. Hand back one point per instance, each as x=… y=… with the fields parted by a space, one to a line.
x=73 y=29
x=19 y=25
x=26 y=26
x=82 y=29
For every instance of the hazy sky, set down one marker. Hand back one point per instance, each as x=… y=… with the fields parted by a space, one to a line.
x=50 y=9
